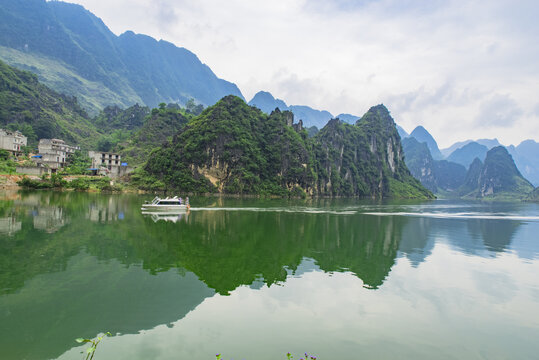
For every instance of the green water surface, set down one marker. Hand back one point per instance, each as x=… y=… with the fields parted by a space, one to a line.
x=255 y=279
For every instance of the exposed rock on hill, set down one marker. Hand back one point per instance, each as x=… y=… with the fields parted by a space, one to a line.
x=498 y=178
x=234 y=148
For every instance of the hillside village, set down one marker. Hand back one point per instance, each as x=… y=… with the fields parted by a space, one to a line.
x=54 y=155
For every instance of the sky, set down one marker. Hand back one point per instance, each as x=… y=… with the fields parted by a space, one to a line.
x=462 y=69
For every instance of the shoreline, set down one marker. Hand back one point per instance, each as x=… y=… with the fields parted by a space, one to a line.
x=9 y=182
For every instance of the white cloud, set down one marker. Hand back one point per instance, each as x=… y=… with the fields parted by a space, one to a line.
x=499 y=110
x=433 y=63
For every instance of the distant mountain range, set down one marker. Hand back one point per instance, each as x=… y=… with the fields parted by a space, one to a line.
x=422 y=135
x=496 y=178
x=73 y=52
x=438 y=176
x=525 y=155
x=489 y=143
x=468 y=153
x=309 y=116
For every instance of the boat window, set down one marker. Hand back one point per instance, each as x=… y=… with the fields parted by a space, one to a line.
x=169 y=202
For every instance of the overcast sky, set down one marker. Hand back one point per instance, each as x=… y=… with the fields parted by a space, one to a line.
x=462 y=69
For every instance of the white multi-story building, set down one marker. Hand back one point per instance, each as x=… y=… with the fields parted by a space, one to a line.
x=54 y=153
x=12 y=140
x=110 y=164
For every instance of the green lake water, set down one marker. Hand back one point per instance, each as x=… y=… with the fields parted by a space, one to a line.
x=255 y=279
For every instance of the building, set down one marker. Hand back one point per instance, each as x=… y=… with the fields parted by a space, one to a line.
x=53 y=153
x=12 y=141
x=108 y=164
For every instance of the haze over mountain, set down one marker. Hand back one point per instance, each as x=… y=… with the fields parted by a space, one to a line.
x=526 y=156
x=489 y=143
x=493 y=95
x=422 y=135
x=466 y=154
x=74 y=52
x=310 y=117
x=402 y=133
x=436 y=175
x=498 y=177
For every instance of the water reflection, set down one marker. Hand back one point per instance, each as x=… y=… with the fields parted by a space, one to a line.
x=49 y=218
x=64 y=253
x=166 y=216
x=9 y=225
x=497 y=235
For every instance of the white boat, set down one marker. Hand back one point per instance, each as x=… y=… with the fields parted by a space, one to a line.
x=166 y=204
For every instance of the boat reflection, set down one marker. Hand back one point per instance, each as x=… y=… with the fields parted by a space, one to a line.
x=171 y=216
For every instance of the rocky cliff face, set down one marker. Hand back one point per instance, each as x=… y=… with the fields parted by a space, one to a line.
x=420 y=162
x=498 y=177
x=471 y=181
x=234 y=148
x=365 y=159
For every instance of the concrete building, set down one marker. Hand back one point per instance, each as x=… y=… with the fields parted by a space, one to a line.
x=12 y=141
x=53 y=153
x=108 y=164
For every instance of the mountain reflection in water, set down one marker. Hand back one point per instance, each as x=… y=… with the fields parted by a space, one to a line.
x=75 y=264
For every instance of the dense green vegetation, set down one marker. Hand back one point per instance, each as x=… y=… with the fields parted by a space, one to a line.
x=75 y=53
x=56 y=181
x=158 y=128
x=497 y=179
x=364 y=160
x=39 y=112
x=78 y=163
x=237 y=149
x=7 y=165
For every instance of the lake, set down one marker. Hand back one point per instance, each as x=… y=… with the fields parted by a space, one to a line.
x=255 y=278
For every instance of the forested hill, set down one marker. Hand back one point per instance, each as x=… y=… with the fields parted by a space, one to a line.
x=497 y=178
x=39 y=112
x=74 y=52
x=235 y=148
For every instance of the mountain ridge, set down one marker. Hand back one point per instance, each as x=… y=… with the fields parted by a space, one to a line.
x=238 y=149
x=137 y=68
x=266 y=102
